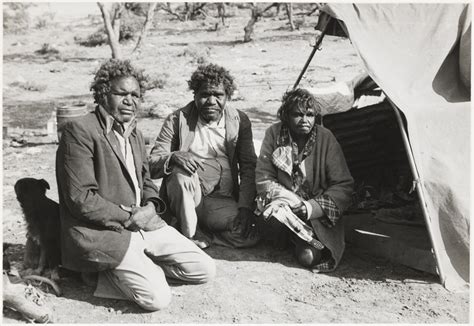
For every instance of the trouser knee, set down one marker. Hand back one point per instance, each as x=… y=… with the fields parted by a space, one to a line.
x=154 y=301
x=180 y=178
x=209 y=269
x=201 y=271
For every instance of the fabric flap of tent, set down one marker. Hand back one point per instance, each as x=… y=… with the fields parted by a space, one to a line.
x=419 y=54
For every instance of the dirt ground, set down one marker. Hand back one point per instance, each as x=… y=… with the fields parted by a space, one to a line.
x=257 y=285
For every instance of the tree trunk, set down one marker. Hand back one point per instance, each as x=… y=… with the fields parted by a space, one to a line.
x=146 y=25
x=221 y=12
x=289 y=11
x=111 y=33
x=187 y=11
x=253 y=19
x=116 y=14
x=256 y=14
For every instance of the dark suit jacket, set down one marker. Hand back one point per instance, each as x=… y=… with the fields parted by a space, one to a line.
x=92 y=182
x=177 y=134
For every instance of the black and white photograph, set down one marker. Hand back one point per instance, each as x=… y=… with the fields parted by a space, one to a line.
x=236 y=162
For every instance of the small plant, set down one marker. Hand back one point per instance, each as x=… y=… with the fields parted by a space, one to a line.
x=97 y=38
x=29 y=86
x=196 y=54
x=47 y=49
x=46 y=20
x=157 y=81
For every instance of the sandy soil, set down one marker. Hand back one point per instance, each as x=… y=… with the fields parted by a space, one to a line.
x=258 y=285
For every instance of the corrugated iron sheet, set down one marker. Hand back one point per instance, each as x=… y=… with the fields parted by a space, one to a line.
x=371 y=141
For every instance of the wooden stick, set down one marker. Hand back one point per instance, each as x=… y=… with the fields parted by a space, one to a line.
x=319 y=39
x=419 y=190
x=45 y=280
x=14 y=298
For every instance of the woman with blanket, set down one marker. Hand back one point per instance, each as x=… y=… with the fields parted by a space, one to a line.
x=303 y=184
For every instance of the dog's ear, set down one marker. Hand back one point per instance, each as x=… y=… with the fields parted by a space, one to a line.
x=44 y=183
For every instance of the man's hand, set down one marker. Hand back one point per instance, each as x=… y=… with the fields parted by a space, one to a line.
x=187 y=161
x=300 y=211
x=142 y=218
x=246 y=221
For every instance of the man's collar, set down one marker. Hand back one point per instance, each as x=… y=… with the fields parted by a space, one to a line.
x=124 y=129
x=213 y=124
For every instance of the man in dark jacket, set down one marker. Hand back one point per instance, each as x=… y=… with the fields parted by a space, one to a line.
x=205 y=154
x=109 y=206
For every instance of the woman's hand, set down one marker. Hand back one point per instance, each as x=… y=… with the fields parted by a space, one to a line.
x=300 y=211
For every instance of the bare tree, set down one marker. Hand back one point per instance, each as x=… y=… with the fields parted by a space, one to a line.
x=221 y=12
x=189 y=12
x=193 y=10
x=111 y=19
x=256 y=14
x=148 y=19
x=289 y=11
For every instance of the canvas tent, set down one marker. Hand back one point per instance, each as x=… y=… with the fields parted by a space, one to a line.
x=419 y=54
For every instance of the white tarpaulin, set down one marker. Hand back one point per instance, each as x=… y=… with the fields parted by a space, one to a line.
x=419 y=54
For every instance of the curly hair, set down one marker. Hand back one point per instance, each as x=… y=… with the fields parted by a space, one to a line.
x=301 y=99
x=110 y=70
x=213 y=75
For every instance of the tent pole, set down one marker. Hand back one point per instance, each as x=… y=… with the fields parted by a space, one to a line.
x=416 y=184
x=319 y=39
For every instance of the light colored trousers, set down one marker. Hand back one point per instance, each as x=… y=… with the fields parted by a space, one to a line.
x=150 y=258
x=215 y=212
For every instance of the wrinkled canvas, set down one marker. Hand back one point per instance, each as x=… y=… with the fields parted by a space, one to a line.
x=419 y=54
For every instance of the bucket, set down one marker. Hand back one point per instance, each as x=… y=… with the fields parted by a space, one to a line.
x=67 y=113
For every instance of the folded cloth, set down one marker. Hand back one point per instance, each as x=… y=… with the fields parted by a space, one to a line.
x=305 y=232
x=276 y=203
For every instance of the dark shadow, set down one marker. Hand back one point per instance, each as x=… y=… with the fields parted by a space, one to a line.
x=358 y=264
x=177 y=31
x=71 y=284
x=38 y=143
x=288 y=37
x=74 y=289
x=42 y=59
x=447 y=81
x=209 y=43
x=355 y=263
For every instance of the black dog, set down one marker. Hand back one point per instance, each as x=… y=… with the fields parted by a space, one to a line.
x=43 y=249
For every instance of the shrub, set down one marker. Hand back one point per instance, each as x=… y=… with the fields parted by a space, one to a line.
x=130 y=26
x=47 y=49
x=157 y=81
x=46 y=20
x=97 y=38
x=29 y=86
x=196 y=54
x=16 y=18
